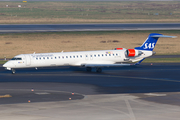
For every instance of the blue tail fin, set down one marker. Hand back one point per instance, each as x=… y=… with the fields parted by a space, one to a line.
x=151 y=41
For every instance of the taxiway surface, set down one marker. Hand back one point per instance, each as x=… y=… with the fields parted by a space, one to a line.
x=142 y=92
x=133 y=79
x=87 y=27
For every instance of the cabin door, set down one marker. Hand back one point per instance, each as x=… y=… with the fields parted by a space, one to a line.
x=28 y=60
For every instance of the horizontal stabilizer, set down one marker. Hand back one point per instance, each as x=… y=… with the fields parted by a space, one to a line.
x=166 y=36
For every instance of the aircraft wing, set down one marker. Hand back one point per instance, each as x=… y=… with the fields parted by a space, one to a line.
x=110 y=65
x=105 y=65
x=139 y=62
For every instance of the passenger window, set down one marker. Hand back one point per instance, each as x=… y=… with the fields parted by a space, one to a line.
x=113 y=54
x=81 y=56
x=109 y=54
x=73 y=56
x=59 y=57
x=77 y=56
x=106 y=54
x=36 y=58
x=98 y=55
x=94 y=55
x=70 y=56
x=55 y=57
x=102 y=55
x=47 y=57
x=40 y=58
x=62 y=57
x=116 y=54
x=43 y=57
x=66 y=56
x=51 y=57
x=86 y=56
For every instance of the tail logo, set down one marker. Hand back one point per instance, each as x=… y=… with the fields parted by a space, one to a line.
x=149 y=45
x=150 y=42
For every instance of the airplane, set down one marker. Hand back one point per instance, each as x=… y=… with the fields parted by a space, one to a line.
x=88 y=59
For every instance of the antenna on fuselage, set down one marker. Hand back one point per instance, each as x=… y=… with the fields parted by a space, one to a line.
x=34 y=53
x=62 y=51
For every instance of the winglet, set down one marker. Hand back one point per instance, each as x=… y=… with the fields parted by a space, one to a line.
x=139 y=62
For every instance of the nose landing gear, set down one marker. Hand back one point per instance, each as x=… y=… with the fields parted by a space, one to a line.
x=13 y=71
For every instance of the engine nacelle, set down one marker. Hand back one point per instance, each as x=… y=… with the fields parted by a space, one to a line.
x=133 y=53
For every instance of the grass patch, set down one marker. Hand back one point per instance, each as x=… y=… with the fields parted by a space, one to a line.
x=2 y=62
x=12 y=44
x=89 y=12
x=162 y=60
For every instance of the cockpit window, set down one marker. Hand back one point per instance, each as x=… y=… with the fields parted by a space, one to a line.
x=16 y=58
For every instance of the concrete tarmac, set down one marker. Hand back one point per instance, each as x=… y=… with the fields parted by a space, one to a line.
x=144 y=92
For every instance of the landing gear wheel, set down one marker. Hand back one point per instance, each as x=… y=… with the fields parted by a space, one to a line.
x=98 y=70
x=88 y=69
x=13 y=71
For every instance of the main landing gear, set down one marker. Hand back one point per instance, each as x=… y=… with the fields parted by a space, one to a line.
x=98 y=70
x=89 y=69
x=13 y=71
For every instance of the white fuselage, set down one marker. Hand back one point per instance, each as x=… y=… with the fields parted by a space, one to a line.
x=73 y=58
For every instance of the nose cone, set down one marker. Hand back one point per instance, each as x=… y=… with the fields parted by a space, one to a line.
x=5 y=65
x=8 y=65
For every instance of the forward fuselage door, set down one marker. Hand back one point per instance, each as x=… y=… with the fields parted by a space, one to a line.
x=28 y=60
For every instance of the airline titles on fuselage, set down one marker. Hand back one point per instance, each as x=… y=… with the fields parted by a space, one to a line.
x=42 y=55
x=62 y=55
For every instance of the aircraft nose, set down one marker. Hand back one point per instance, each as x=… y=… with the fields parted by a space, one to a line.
x=5 y=65
x=8 y=65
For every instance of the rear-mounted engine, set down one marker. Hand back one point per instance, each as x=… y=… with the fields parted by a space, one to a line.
x=133 y=53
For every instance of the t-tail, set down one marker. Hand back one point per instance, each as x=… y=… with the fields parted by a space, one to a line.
x=151 y=41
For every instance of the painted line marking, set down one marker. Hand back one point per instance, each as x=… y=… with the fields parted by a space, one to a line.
x=154 y=94
x=5 y=96
x=131 y=113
